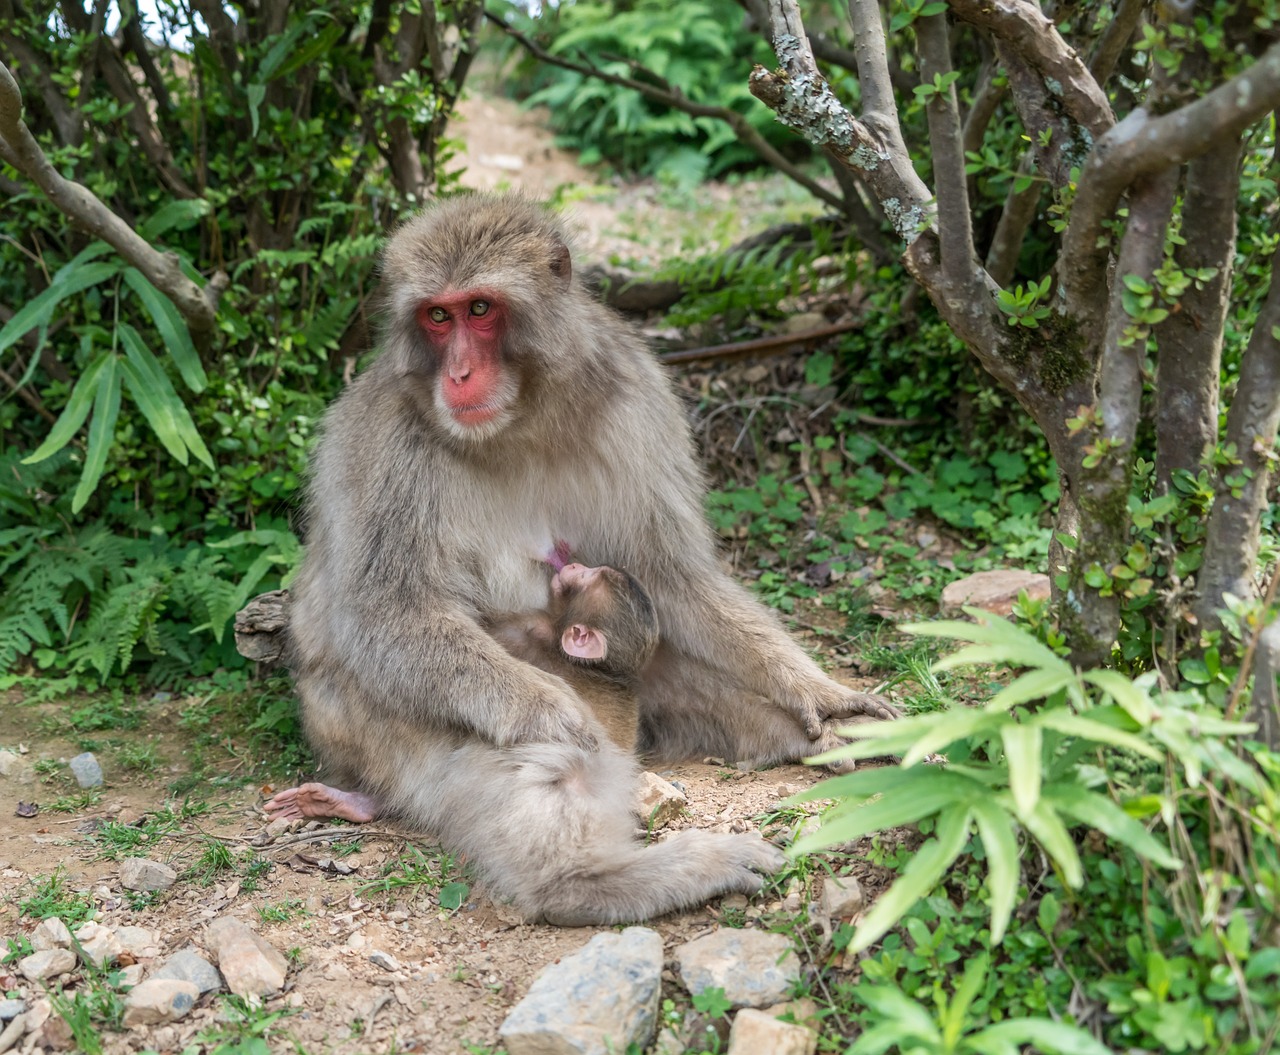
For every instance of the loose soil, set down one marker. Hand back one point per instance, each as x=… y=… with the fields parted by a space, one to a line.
x=459 y=970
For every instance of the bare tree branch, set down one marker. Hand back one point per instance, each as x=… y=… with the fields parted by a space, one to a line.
x=955 y=231
x=878 y=103
x=1188 y=362
x=986 y=100
x=1232 y=534
x=19 y=148
x=673 y=97
x=1033 y=37
x=1140 y=145
x=131 y=30
x=67 y=121
x=874 y=149
x=1114 y=39
x=1016 y=217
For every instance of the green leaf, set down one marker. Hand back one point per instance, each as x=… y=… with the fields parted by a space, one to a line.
x=172 y=327
x=947 y=728
x=254 y=94
x=912 y=1019
x=181 y=213
x=73 y=414
x=1008 y=643
x=1034 y=685
x=1022 y=747
x=932 y=791
x=712 y=1001
x=1136 y=702
x=1098 y=811
x=923 y=872
x=1000 y=840
x=1063 y=721
x=1039 y=1034
x=102 y=429
x=452 y=895
x=39 y=309
x=159 y=403
x=1047 y=828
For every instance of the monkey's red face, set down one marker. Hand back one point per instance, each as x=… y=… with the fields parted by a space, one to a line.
x=464 y=331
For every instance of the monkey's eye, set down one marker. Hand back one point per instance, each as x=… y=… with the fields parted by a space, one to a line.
x=479 y=307
x=438 y=315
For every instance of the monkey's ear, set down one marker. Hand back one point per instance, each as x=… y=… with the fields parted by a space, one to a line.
x=561 y=265
x=583 y=642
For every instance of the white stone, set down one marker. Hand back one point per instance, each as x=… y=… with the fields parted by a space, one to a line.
x=46 y=964
x=141 y=873
x=249 y=964
x=842 y=897
x=50 y=933
x=98 y=944
x=756 y=1033
x=138 y=942
x=159 y=1000
x=658 y=802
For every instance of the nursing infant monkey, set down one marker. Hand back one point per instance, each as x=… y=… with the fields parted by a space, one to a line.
x=511 y=416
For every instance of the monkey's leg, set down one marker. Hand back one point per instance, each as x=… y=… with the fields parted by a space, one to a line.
x=689 y=709
x=321 y=802
x=550 y=827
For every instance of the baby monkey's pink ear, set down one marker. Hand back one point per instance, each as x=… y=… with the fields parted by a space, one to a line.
x=583 y=642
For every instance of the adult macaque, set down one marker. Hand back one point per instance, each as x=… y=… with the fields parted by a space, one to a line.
x=510 y=416
x=596 y=633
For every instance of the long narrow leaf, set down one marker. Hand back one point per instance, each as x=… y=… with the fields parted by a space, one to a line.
x=1098 y=811
x=921 y=875
x=933 y=791
x=180 y=213
x=1040 y=1034
x=73 y=414
x=102 y=430
x=1049 y=832
x=172 y=327
x=948 y=728
x=1008 y=643
x=158 y=401
x=1099 y=732
x=1034 y=685
x=38 y=310
x=857 y=786
x=90 y=252
x=1124 y=692
x=1000 y=840
x=1022 y=749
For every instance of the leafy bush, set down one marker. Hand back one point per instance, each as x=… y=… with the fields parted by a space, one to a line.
x=685 y=47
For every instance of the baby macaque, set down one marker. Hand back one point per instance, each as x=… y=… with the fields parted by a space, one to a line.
x=597 y=633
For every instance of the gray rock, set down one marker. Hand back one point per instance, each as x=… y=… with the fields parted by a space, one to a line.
x=657 y=801
x=10 y=1008
x=247 y=961
x=384 y=960
x=128 y=977
x=841 y=898
x=141 y=873
x=86 y=770
x=98 y=944
x=159 y=1000
x=187 y=965
x=993 y=591
x=753 y=968
x=46 y=964
x=596 y=1001
x=754 y=1033
x=50 y=933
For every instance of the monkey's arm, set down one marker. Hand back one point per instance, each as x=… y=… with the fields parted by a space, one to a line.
x=434 y=664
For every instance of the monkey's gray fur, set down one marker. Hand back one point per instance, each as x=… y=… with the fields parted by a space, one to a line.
x=419 y=528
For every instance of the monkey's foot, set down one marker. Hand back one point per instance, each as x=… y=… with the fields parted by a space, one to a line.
x=321 y=802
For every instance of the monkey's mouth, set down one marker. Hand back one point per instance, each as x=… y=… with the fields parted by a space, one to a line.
x=471 y=417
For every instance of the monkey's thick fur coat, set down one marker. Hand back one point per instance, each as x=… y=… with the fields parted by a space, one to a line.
x=419 y=528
